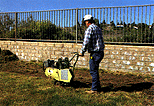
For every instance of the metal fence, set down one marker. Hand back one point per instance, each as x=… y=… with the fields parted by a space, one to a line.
x=126 y=24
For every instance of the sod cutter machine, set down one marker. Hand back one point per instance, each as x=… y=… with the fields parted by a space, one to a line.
x=61 y=71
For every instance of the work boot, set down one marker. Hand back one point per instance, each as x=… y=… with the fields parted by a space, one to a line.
x=91 y=92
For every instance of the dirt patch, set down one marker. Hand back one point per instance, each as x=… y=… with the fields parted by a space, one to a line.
x=6 y=56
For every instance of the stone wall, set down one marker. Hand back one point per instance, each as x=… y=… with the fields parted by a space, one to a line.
x=117 y=57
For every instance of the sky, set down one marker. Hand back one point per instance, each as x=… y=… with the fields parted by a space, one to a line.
x=39 y=5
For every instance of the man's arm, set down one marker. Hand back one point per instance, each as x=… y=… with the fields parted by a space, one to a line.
x=85 y=41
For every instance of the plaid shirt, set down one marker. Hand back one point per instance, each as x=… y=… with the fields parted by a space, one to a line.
x=93 y=40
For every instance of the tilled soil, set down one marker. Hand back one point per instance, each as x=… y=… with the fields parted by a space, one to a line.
x=110 y=81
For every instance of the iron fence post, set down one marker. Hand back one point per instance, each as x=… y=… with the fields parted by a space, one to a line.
x=76 y=25
x=16 y=15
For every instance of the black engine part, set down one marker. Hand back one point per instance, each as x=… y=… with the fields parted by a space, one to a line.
x=48 y=63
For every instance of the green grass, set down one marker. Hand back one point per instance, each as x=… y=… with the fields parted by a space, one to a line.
x=19 y=89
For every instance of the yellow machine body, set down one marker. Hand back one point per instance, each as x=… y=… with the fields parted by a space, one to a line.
x=64 y=75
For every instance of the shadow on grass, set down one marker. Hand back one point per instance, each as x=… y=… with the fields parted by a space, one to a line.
x=126 y=88
x=78 y=84
x=129 y=87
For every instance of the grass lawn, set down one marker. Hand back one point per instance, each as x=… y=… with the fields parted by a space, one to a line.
x=24 y=83
x=20 y=89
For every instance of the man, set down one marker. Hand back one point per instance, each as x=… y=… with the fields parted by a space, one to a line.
x=93 y=42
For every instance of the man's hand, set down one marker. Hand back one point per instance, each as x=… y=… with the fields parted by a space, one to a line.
x=80 y=54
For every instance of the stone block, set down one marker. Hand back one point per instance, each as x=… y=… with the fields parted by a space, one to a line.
x=27 y=43
x=149 y=54
x=4 y=46
x=41 y=44
x=106 y=52
x=109 y=47
x=19 y=43
x=59 y=53
x=59 y=45
x=54 y=57
x=68 y=45
x=51 y=44
x=72 y=50
x=34 y=44
x=67 y=53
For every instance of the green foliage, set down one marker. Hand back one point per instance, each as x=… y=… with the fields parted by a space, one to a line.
x=140 y=33
x=6 y=23
x=31 y=29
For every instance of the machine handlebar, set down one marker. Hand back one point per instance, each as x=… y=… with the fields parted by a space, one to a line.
x=77 y=57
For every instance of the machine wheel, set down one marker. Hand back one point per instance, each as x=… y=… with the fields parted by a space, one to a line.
x=57 y=83
x=44 y=66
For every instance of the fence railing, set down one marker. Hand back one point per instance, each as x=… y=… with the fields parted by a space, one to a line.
x=126 y=24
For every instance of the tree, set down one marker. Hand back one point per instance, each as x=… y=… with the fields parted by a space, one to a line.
x=96 y=21
x=103 y=24
x=112 y=24
x=6 y=25
x=121 y=23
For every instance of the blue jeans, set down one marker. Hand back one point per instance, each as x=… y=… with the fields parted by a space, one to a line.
x=95 y=59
